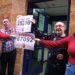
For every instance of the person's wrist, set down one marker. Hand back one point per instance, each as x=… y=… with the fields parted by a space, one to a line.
x=12 y=36
x=37 y=40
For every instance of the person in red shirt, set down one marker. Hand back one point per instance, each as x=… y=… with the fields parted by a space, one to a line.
x=63 y=43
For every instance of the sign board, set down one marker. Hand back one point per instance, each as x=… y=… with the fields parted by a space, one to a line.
x=23 y=23
x=25 y=41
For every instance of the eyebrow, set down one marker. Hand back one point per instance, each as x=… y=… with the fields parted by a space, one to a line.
x=59 y=24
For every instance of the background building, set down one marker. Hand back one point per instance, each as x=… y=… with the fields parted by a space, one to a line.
x=11 y=8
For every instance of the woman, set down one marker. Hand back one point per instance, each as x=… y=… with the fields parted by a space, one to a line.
x=63 y=43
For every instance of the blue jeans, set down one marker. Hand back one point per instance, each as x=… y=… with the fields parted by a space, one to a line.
x=70 y=69
x=27 y=63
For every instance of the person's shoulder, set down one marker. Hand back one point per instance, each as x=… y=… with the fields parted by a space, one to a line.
x=12 y=28
x=69 y=37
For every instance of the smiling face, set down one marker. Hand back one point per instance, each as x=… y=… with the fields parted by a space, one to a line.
x=60 y=28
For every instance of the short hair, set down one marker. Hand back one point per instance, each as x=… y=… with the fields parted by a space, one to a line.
x=60 y=23
x=5 y=20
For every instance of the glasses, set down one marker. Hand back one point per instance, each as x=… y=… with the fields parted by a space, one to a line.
x=5 y=21
x=59 y=25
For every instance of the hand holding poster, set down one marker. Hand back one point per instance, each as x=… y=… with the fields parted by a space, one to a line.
x=25 y=41
x=23 y=23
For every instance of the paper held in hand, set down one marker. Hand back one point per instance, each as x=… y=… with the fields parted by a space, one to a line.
x=25 y=41
x=23 y=23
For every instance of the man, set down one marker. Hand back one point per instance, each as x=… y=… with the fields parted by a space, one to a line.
x=8 y=55
x=57 y=59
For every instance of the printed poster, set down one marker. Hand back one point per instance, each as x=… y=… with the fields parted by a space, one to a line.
x=23 y=23
x=25 y=41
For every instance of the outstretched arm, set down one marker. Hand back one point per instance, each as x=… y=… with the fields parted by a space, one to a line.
x=5 y=36
x=54 y=44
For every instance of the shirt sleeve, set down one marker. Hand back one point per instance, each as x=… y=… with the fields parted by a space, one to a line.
x=55 y=44
x=4 y=36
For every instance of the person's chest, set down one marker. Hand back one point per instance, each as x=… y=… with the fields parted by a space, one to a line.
x=6 y=31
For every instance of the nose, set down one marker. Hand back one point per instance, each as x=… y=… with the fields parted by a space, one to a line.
x=58 y=27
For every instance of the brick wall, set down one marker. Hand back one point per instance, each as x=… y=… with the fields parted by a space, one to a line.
x=72 y=18
x=10 y=9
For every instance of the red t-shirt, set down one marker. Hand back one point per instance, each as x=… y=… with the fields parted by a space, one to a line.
x=70 y=41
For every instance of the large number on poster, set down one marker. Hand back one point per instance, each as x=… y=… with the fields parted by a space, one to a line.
x=25 y=41
x=23 y=23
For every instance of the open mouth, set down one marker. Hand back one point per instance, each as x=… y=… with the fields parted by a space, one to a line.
x=58 y=29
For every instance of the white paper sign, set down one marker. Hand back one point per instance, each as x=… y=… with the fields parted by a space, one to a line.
x=23 y=23
x=25 y=41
